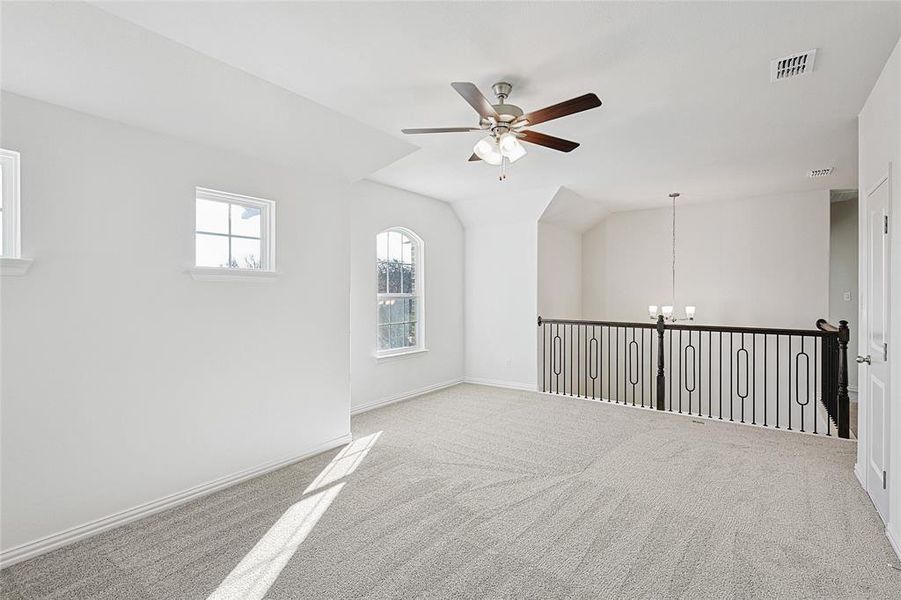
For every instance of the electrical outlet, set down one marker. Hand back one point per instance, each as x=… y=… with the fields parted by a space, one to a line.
x=846 y=296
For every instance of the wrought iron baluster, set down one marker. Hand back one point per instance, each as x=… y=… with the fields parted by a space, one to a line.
x=816 y=388
x=693 y=382
x=721 y=376
x=616 y=346
x=766 y=367
x=679 y=387
x=709 y=374
x=802 y=352
x=777 y=381
x=790 y=383
x=753 y=379
x=744 y=352
x=731 y=371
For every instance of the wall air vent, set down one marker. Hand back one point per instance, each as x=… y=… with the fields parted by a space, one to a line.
x=821 y=172
x=792 y=66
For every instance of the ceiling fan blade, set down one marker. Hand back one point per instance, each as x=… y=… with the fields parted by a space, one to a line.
x=439 y=130
x=475 y=99
x=474 y=158
x=568 y=107
x=547 y=140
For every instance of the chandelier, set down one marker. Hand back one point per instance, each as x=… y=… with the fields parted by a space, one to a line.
x=666 y=311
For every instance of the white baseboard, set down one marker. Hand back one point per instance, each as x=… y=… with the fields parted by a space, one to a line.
x=51 y=542
x=355 y=410
x=859 y=475
x=894 y=541
x=513 y=385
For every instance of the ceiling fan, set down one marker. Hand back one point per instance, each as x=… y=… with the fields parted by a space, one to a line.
x=506 y=124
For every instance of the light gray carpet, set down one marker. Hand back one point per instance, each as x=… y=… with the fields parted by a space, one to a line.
x=476 y=492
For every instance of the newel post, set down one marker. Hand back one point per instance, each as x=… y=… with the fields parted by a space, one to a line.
x=844 y=334
x=661 y=378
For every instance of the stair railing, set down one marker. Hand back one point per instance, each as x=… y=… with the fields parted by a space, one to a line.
x=755 y=375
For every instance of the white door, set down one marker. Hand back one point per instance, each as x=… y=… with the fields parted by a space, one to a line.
x=876 y=328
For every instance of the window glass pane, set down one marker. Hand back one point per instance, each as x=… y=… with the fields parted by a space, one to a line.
x=212 y=216
x=395 y=240
x=407 y=278
x=411 y=310
x=381 y=244
x=394 y=283
x=383 y=277
x=410 y=334
x=397 y=310
x=384 y=337
x=397 y=336
x=246 y=254
x=245 y=220
x=211 y=250
x=384 y=312
x=407 y=250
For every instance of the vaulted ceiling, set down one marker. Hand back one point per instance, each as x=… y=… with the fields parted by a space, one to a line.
x=688 y=102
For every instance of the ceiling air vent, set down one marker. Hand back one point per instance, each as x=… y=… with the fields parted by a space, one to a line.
x=821 y=172
x=792 y=66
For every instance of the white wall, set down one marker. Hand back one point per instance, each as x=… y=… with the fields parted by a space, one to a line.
x=559 y=272
x=501 y=304
x=374 y=208
x=594 y=273
x=501 y=286
x=843 y=272
x=879 y=127
x=760 y=261
x=124 y=380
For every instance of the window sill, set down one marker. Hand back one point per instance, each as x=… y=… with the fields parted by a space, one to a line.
x=14 y=267
x=401 y=354
x=221 y=274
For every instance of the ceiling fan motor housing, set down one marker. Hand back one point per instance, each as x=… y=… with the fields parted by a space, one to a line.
x=507 y=113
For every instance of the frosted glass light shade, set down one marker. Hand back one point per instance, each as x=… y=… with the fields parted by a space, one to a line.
x=487 y=149
x=652 y=311
x=690 y=312
x=667 y=311
x=511 y=147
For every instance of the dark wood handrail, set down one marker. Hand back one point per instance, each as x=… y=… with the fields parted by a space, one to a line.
x=824 y=325
x=819 y=332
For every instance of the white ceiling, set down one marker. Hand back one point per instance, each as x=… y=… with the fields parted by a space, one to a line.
x=688 y=104
x=78 y=56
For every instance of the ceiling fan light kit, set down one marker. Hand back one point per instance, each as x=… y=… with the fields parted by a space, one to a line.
x=506 y=124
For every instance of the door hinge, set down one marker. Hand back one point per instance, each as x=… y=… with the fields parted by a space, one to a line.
x=884 y=479
x=885 y=351
x=886 y=224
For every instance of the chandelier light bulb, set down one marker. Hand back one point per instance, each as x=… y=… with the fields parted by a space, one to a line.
x=487 y=149
x=511 y=147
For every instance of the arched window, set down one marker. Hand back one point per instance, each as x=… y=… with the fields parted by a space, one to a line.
x=399 y=267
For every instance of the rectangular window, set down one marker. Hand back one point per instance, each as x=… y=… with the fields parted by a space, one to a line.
x=233 y=231
x=9 y=204
x=399 y=259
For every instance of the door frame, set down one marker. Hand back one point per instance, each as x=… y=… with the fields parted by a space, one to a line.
x=863 y=433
